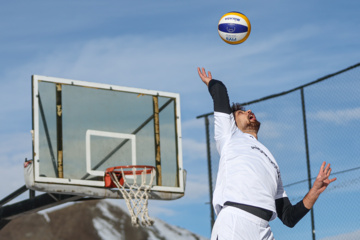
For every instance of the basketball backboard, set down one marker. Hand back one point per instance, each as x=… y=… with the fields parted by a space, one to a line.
x=80 y=129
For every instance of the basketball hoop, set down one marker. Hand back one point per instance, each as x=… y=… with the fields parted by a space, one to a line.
x=136 y=194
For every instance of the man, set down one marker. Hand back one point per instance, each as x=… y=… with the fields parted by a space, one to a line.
x=249 y=191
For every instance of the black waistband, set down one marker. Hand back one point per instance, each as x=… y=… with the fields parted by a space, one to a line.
x=259 y=212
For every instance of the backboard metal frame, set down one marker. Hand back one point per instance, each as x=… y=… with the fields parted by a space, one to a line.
x=96 y=188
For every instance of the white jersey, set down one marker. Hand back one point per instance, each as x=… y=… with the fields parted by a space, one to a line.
x=248 y=172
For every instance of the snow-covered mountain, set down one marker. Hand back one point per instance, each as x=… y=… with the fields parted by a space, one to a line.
x=90 y=220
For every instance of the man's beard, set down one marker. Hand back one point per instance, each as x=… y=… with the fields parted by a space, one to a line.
x=254 y=126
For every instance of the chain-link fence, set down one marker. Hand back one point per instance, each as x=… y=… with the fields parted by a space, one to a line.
x=303 y=127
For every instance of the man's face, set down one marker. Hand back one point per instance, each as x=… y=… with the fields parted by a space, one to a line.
x=246 y=121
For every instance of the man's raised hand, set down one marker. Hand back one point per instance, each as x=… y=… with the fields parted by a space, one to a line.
x=322 y=180
x=206 y=78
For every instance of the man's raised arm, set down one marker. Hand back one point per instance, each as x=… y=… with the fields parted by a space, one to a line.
x=217 y=90
x=290 y=214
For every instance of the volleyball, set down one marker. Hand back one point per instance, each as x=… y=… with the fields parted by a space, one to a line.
x=234 y=27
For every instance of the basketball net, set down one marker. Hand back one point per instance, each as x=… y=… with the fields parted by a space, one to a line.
x=136 y=195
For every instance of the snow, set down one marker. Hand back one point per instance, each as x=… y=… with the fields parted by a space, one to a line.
x=103 y=206
x=166 y=231
x=159 y=231
x=105 y=230
x=45 y=215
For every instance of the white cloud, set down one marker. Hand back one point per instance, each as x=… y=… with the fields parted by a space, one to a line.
x=197 y=191
x=193 y=150
x=157 y=208
x=271 y=129
x=339 y=117
x=193 y=124
x=12 y=178
x=345 y=236
x=135 y=60
x=197 y=187
x=129 y=60
x=15 y=144
x=14 y=148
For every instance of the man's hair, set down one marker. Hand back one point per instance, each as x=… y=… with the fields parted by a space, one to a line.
x=237 y=106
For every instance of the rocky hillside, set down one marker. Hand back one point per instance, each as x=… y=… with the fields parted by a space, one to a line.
x=90 y=220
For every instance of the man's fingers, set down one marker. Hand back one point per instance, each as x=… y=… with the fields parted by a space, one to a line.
x=203 y=75
x=327 y=167
x=202 y=72
x=322 y=168
x=332 y=180
x=322 y=165
x=328 y=172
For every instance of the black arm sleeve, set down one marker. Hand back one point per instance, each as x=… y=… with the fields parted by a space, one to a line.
x=290 y=214
x=220 y=96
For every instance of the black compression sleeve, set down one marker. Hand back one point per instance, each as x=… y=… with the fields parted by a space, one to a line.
x=290 y=214
x=220 y=96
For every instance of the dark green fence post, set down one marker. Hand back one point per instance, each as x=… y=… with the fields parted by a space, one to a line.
x=209 y=169
x=307 y=158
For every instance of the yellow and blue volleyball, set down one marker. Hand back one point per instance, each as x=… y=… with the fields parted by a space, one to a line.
x=234 y=27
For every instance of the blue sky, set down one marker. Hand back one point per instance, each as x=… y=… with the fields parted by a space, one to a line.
x=158 y=45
